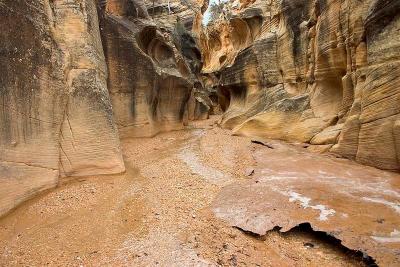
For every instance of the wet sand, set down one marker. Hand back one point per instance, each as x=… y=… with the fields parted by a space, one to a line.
x=161 y=212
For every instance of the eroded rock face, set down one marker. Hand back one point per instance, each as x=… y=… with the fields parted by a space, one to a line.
x=165 y=13
x=322 y=71
x=56 y=116
x=152 y=60
x=77 y=75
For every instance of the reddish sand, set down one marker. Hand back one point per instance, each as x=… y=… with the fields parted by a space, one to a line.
x=171 y=208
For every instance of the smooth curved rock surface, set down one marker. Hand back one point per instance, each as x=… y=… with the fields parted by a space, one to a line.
x=151 y=67
x=78 y=75
x=343 y=56
x=56 y=115
x=356 y=204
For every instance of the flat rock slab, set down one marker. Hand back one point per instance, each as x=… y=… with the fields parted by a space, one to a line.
x=356 y=204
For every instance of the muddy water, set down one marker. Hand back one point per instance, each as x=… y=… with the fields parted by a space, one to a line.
x=158 y=213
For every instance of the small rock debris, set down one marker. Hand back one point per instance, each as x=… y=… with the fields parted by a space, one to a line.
x=249 y=171
x=262 y=143
x=309 y=245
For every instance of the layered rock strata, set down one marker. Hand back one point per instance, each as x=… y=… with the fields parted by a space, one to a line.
x=56 y=115
x=323 y=71
x=151 y=65
x=77 y=75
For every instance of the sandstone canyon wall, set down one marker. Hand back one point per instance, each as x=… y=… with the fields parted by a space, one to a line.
x=152 y=63
x=76 y=75
x=56 y=116
x=324 y=72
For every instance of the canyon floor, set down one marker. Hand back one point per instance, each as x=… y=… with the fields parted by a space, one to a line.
x=202 y=197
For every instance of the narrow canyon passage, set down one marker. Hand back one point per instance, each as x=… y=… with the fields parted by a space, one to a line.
x=172 y=208
x=199 y=133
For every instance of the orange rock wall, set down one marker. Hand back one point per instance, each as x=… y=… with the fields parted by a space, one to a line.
x=75 y=76
x=56 y=116
x=324 y=72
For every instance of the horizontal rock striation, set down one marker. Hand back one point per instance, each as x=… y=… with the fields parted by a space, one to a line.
x=56 y=116
x=151 y=66
x=322 y=71
x=76 y=75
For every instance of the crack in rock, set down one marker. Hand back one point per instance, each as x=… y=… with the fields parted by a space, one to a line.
x=321 y=236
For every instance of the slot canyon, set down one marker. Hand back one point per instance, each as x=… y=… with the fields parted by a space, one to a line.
x=199 y=133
